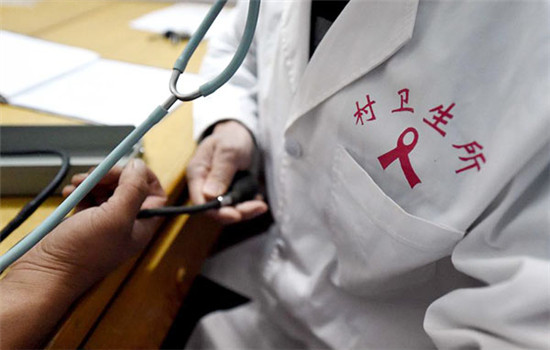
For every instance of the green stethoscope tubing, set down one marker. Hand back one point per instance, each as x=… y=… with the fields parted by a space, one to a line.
x=158 y=113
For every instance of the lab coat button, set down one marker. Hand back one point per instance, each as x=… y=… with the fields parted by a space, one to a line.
x=293 y=148
x=280 y=247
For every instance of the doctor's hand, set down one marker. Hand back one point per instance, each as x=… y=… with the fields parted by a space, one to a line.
x=219 y=156
x=41 y=285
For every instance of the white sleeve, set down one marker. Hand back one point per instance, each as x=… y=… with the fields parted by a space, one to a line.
x=509 y=251
x=236 y=99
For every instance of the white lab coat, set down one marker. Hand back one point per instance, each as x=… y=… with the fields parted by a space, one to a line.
x=444 y=242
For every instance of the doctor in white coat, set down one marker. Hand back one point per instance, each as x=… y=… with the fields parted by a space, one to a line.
x=407 y=169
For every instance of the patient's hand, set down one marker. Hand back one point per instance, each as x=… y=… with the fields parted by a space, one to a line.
x=103 y=232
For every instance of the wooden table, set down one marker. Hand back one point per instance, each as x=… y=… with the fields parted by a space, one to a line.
x=133 y=307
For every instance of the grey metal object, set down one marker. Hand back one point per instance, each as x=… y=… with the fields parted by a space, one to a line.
x=174 y=90
x=225 y=200
x=86 y=146
x=169 y=102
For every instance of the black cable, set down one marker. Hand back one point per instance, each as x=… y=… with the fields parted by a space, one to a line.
x=31 y=206
x=244 y=187
x=167 y=211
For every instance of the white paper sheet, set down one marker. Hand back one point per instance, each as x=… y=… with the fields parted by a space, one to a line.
x=27 y=62
x=106 y=92
x=182 y=18
x=23 y=3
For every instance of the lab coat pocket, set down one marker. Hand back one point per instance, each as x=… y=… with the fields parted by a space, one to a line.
x=379 y=246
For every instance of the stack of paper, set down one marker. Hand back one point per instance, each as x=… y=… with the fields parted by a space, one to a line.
x=182 y=18
x=78 y=83
x=26 y=63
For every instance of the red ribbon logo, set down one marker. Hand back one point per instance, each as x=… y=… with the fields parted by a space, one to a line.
x=401 y=152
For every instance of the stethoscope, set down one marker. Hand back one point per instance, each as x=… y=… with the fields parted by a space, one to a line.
x=157 y=115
